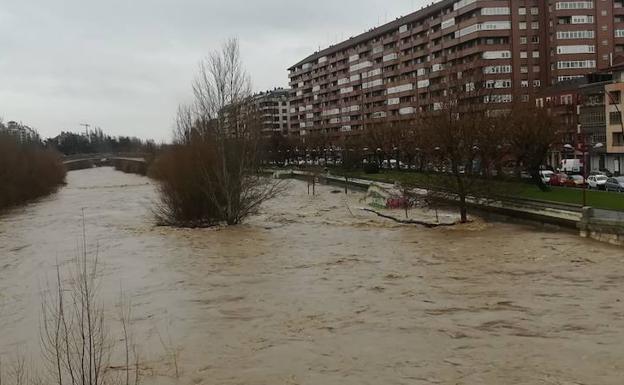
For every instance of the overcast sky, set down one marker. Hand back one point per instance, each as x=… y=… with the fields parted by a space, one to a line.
x=125 y=65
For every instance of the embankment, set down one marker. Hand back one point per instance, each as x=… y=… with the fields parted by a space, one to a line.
x=27 y=171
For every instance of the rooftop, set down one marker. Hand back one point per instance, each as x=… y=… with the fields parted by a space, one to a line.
x=393 y=25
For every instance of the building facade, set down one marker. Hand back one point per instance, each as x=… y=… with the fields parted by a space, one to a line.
x=22 y=133
x=614 y=133
x=511 y=48
x=274 y=107
x=589 y=112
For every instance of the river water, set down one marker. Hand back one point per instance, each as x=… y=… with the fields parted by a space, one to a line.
x=314 y=291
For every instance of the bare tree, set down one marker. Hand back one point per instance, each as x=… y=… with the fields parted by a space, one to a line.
x=458 y=134
x=74 y=338
x=218 y=146
x=531 y=133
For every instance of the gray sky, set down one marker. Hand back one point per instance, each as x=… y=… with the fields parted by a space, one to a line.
x=125 y=65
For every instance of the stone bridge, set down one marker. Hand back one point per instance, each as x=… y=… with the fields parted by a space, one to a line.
x=131 y=163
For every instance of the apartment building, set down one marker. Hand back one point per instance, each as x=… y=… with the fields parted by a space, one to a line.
x=614 y=103
x=21 y=132
x=511 y=48
x=589 y=112
x=274 y=107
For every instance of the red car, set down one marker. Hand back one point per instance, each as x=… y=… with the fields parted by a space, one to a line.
x=558 y=179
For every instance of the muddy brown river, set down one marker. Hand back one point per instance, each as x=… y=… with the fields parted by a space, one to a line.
x=314 y=291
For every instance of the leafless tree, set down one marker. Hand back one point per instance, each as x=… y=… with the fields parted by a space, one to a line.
x=531 y=132
x=458 y=133
x=217 y=150
x=74 y=338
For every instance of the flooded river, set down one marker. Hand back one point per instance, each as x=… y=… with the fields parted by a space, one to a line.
x=314 y=291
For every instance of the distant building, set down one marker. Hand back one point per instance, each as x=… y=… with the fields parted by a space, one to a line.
x=274 y=107
x=270 y=107
x=22 y=133
x=589 y=112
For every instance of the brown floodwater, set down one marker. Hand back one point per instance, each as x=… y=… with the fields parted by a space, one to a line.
x=314 y=291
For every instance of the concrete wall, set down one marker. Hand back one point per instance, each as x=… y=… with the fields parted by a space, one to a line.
x=603 y=225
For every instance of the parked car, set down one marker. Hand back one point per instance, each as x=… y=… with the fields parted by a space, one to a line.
x=615 y=184
x=597 y=182
x=546 y=175
x=558 y=179
x=576 y=181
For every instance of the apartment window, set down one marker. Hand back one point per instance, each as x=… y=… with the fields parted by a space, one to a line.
x=522 y=25
x=535 y=25
x=536 y=54
x=572 y=35
x=525 y=98
x=536 y=69
x=574 y=5
x=576 y=64
x=614 y=97
x=524 y=70
x=524 y=83
x=535 y=39
x=523 y=55
x=523 y=39
x=537 y=83
x=522 y=11
x=615 y=117
x=534 y=11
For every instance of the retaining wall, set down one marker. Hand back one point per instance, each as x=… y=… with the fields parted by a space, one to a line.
x=603 y=225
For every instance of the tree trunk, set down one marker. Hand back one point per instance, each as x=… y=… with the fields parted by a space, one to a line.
x=463 y=209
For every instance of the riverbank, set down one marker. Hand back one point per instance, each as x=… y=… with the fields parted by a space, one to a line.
x=314 y=291
x=557 y=195
x=27 y=172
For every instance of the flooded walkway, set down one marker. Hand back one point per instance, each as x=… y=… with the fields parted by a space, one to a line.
x=314 y=291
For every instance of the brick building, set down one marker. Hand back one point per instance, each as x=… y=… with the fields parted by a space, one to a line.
x=512 y=48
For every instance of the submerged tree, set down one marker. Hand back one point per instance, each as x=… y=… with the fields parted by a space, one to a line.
x=212 y=173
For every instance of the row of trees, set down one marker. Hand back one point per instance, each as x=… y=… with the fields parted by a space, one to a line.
x=96 y=141
x=515 y=140
x=462 y=148
x=27 y=171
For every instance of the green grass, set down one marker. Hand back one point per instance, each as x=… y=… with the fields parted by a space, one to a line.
x=597 y=199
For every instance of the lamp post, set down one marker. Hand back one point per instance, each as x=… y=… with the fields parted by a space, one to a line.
x=396 y=157
x=585 y=150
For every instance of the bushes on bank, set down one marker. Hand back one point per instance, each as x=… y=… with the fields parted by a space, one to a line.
x=27 y=171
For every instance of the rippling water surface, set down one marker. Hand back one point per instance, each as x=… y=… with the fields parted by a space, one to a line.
x=314 y=291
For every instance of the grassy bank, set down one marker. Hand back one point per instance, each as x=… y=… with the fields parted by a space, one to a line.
x=27 y=172
x=597 y=199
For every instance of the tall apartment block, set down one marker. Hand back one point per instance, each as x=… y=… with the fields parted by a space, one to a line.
x=511 y=48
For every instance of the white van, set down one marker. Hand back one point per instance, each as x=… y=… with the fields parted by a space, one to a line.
x=571 y=165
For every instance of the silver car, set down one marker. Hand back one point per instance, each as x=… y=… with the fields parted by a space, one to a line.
x=615 y=184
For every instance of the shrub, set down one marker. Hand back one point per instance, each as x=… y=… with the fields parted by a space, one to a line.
x=27 y=171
